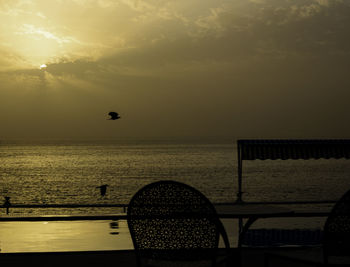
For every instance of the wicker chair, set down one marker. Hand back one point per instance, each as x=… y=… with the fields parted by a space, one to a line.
x=336 y=240
x=173 y=224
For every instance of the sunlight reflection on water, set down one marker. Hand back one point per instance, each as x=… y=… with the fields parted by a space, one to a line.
x=57 y=236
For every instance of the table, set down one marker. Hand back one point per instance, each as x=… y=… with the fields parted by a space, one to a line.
x=252 y=212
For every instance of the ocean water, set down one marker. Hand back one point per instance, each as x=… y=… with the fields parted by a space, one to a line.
x=68 y=172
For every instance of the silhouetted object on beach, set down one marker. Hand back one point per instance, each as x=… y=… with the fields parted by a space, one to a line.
x=336 y=239
x=115 y=226
x=103 y=189
x=114 y=115
x=7 y=204
x=173 y=222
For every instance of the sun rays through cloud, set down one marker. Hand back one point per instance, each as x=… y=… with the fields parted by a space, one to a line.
x=174 y=61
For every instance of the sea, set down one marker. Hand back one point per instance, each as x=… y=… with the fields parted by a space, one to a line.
x=43 y=172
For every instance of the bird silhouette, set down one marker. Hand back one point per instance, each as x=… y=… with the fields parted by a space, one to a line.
x=114 y=115
x=103 y=189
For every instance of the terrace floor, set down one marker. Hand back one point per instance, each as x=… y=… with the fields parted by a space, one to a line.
x=250 y=257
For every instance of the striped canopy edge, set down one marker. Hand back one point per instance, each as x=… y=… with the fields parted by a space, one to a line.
x=293 y=149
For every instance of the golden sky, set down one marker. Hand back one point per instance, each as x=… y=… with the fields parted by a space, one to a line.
x=174 y=68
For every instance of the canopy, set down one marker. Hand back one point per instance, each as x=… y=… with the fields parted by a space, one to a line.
x=293 y=149
x=289 y=149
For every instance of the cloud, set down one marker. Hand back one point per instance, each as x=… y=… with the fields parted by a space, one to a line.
x=232 y=31
x=28 y=29
x=194 y=67
x=9 y=59
x=90 y=3
x=139 y=5
x=18 y=8
x=212 y=21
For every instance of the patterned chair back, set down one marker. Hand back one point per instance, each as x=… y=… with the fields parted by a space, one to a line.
x=172 y=221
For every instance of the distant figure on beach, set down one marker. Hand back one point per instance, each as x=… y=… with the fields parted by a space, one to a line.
x=103 y=189
x=7 y=204
x=114 y=115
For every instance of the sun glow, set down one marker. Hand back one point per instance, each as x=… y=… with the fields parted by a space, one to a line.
x=37 y=44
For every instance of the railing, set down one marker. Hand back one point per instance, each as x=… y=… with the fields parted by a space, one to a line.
x=122 y=215
x=9 y=207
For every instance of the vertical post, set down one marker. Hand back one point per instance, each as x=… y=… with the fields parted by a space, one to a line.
x=239 y=193
x=239 y=158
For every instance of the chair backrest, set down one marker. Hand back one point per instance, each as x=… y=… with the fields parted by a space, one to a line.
x=337 y=229
x=169 y=220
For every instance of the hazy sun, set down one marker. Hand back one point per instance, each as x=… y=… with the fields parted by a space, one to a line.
x=43 y=66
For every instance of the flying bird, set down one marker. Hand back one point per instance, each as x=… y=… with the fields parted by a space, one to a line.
x=103 y=189
x=114 y=115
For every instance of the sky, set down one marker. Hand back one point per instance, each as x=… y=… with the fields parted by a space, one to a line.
x=174 y=68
